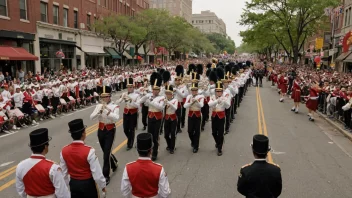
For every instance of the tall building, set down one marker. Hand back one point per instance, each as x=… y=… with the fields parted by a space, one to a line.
x=182 y=8
x=208 y=22
x=50 y=33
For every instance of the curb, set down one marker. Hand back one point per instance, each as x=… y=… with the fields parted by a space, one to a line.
x=337 y=126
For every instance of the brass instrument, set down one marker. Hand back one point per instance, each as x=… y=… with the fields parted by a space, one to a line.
x=103 y=107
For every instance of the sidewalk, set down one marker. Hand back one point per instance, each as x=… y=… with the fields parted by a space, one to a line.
x=337 y=125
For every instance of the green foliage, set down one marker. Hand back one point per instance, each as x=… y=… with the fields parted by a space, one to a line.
x=222 y=43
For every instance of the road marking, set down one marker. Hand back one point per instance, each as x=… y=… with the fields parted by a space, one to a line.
x=270 y=158
x=8 y=170
x=8 y=132
x=8 y=184
x=119 y=146
x=7 y=163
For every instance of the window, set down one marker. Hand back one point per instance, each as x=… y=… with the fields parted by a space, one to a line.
x=43 y=12
x=3 y=7
x=88 y=21
x=65 y=23
x=23 y=9
x=75 y=19
x=56 y=15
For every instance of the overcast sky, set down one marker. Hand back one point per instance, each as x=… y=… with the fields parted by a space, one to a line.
x=228 y=10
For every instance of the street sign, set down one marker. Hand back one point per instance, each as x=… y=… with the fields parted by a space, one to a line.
x=319 y=43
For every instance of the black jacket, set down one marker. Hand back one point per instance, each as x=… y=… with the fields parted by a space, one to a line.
x=260 y=180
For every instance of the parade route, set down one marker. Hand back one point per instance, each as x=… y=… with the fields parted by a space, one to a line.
x=315 y=159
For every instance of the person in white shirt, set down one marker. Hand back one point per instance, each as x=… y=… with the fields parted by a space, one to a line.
x=170 y=119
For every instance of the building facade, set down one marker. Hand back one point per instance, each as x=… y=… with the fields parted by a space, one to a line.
x=58 y=32
x=181 y=8
x=208 y=22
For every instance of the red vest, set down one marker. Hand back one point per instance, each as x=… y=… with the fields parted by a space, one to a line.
x=107 y=126
x=37 y=180
x=157 y=115
x=220 y=114
x=76 y=158
x=130 y=111
x=171 y=116
x=196 y=113
x=144 y=177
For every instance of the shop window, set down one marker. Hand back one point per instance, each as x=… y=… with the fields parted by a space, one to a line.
x=88 y=21
x=23 y=9
x=43 y=12
x=65 y=21
x=75 y=19
x=3 y=7
x=56 y=15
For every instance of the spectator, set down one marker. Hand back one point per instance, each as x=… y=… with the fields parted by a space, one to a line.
x=7 y=77
x=2 y=77
x=21 y=75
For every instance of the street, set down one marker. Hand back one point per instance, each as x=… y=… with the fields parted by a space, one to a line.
x=314 y=158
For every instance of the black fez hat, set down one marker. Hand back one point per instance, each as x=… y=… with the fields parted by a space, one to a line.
x=76 y=126
x=39 y=137
x=144 y=141
x=260 y=144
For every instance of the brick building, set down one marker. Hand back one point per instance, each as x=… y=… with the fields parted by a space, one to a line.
x=181 y=8
x=58 y=31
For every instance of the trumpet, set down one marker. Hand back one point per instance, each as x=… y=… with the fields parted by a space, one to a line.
x=103 y=107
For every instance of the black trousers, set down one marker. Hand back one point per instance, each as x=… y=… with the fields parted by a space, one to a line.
x=106 y=140
x=129 y=127
x=205 y=113
x=194 y=123
x=183 y=115
x=236 y=104
x=154 y=129
x=233 y=104
x=170 y=130
x=347 y=118
x=227 y=121
x=145 y=115
x=179 y=117
x=217 y=127
x=83 y=188
x=241 y=90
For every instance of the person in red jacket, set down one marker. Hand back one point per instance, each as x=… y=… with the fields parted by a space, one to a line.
x=144 y=178
x=296 y=94
x=312 y=103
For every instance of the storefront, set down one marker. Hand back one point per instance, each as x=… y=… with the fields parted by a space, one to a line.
x=16 y=52
x=114 y=58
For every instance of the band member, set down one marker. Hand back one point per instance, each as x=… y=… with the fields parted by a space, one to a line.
x=312 y=103
x=296 y=94
x=283 y=86
x=80 y=162
x=170 y=119
x=180 y=93
x=145 y=109
x=166 y=76
x=219 y=103
x=37 y=176
x=107 y=113
x=228 y=94
x=253 y=176
x=143 y=171
x=130 y=112
x=194 y=102
x=156 y=105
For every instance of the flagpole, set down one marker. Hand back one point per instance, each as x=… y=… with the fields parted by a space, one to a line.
x=332 y=64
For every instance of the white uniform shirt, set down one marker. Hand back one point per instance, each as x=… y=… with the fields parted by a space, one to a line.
x=18 y=99
x=104 y=118
x=171 y=106
x=221 y=103
x=197 y=105
x=130 y=104
x=6 y=95
x=181 y=93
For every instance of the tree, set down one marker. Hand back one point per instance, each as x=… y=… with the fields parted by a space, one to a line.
x=222 y=43
x=294 y=19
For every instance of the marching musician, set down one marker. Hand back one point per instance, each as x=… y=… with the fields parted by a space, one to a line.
x=180 y=93
x=156 y=105
x=228 y=90
x=296 y=94
x=80 y=162
x=170 y=122
x=107 y=113
x=194 y=102
x=38 y=176
x=130 y=112
x=219 y=103
x=312 y=102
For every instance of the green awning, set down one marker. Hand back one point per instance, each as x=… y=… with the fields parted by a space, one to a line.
x=112 y=52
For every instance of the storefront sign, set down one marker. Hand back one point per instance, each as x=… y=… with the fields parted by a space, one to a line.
x=48 y=36
x=4 y=58
x=347 y=41
x=319 y=43
x=69 y=39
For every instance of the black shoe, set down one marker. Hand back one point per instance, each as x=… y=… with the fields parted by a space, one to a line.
x=182 y=126
x=128 y=148
x=202 y=129
x=192 y=145
x=144 y=128
x=154 y=158
x=179 y=131
x=195 y=150
x=167 y=148
x=107 y=179
x=114 y=169
x=172 y=152
x=231 y=121
x=216 y=145
x=219 y=153
x=227 y=131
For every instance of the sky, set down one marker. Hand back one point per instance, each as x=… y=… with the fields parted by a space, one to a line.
x=228 y=10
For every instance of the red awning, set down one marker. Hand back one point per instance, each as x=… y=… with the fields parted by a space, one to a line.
x=15 y=53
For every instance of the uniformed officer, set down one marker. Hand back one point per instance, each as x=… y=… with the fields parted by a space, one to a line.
x=260 y=179
x=170 y=119
x=219 y=103
x=130 y=112
x=107 y=113
x=143 y=171
x=79 y=161
x=194 y=102
x=37 y=176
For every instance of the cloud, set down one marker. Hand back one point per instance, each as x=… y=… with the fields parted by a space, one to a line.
x=228 y=10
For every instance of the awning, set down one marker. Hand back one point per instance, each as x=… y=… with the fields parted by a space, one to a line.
x=150 y=53
x=16 y=53
x=349 y=58
x=127 y=55
x=93 y=50
x=112 y=52
x=343 y=56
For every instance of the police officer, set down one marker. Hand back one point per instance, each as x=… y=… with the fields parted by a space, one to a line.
x=37 y=176
x=107 y=113
x=144 y=171
x=80 y=162
x=260 y=179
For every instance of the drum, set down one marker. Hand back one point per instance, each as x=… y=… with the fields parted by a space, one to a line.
x=16 y=113
x=71 y=98
x=40 y=108
x=62 y=101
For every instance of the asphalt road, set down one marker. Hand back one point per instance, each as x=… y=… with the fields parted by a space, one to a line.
x=315 y=158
